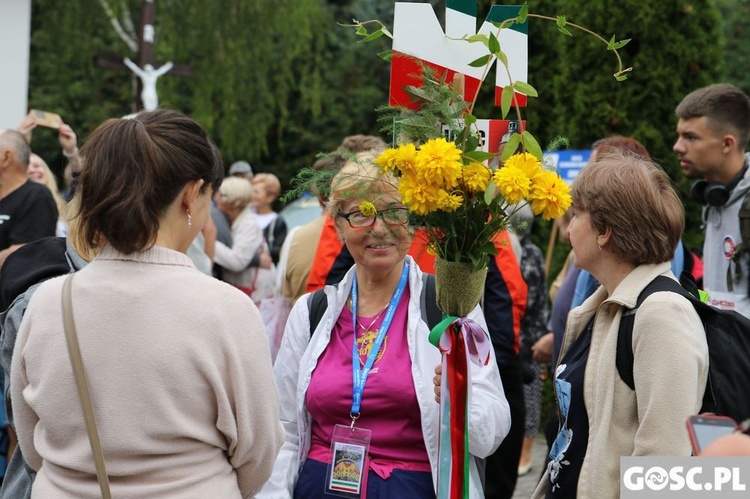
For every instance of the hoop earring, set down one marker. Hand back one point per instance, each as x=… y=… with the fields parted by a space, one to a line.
x=190 y=221
x=600 y=248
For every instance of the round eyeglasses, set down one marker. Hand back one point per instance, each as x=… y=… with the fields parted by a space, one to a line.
x=390 y=216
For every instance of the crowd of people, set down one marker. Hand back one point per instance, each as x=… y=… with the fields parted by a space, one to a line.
x=216 y=367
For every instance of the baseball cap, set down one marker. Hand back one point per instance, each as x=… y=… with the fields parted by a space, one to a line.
x=240 y=167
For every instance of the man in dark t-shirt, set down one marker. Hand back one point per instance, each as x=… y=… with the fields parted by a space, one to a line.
x=27 y=209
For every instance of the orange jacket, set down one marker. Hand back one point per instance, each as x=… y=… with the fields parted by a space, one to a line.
x=329 y=250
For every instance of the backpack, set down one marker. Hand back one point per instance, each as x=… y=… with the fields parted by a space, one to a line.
x=317 y=303
x=743 y=248
x=728 y=339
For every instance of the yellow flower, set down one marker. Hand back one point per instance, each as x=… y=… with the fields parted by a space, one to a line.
x=420 y=197
x=527 y=163
x=449 y=202
x=387 y=160
x=476 y=177
x=367 y=209
x=549 y=195
x=406 y=158
x=439 y=163
x=512 y=184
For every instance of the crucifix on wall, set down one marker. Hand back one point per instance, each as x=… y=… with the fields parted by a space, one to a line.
x=144 y=67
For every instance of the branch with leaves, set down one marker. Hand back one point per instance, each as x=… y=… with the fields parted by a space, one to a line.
x=374 y=29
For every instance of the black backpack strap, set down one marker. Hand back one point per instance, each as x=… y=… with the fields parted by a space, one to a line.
x=431 y=313
x=317 y=303
x=624 y=359
x=743 y=247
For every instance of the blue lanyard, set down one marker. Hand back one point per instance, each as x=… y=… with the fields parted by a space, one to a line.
x=360 y=376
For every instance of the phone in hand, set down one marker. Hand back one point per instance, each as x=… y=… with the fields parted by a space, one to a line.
x=705 y=428
x=45 y=118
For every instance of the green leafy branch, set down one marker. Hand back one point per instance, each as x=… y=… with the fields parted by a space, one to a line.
x=455 y=107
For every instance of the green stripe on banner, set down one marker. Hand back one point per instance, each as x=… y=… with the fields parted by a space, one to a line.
x=499 y=13
x=468 y=7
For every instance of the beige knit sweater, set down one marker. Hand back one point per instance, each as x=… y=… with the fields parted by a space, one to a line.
x=180 y=376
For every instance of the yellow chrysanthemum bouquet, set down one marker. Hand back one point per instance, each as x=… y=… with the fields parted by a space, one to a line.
x=463 y=203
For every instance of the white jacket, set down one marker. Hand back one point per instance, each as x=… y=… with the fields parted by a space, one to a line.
x=247 y=239
x=489 y=413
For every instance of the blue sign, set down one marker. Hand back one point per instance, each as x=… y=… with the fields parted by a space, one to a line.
x=568 y=163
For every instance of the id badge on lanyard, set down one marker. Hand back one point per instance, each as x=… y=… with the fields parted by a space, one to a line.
x=347 y=472
x=350 y=445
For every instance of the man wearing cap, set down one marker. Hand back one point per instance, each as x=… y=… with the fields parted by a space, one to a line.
x=241 y=169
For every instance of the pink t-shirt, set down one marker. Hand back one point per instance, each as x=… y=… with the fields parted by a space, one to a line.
x=389 y=402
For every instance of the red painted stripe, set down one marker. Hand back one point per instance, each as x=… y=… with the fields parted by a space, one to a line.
x=457 y=383
x=407 y=70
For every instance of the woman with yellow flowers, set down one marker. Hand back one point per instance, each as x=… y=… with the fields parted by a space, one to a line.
x=356 y=391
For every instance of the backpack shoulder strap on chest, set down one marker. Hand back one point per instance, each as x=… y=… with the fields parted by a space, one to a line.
x=431 y=313
x=317 y=303
x=624 y=359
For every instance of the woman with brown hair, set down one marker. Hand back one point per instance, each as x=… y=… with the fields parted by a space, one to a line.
x=626 y=224
x=177 y=362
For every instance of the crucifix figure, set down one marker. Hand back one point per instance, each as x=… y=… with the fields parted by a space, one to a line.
x=148 y=76
x=143 y=67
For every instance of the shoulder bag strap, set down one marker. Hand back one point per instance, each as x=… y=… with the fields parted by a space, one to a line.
x=76 y=361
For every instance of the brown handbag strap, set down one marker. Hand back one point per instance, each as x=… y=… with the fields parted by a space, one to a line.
x=71 y=338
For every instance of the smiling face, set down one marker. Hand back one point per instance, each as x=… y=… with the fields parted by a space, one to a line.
x=36 y=170
x=382 y=247
x=700 y=149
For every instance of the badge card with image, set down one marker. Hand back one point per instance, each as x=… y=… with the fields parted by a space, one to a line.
x=347 y=472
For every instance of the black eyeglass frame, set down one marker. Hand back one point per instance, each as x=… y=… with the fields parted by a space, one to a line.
x=380 y=213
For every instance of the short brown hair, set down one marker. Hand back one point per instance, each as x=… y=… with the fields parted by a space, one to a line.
x=270 y=182
x=619 y=143
x=134 y=169
x=349 y=147
x=635 y=199
x=726 y=107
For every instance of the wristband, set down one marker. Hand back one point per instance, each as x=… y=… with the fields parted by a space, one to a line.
x=70 y=154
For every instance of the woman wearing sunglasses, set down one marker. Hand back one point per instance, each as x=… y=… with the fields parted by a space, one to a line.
x=357 y=399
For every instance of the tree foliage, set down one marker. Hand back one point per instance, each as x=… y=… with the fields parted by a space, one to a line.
x=676 y=47
x=277 y=82
x=736 y=17
x=258 y=66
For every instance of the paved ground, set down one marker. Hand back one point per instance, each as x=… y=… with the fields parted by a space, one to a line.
x=527 y=483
